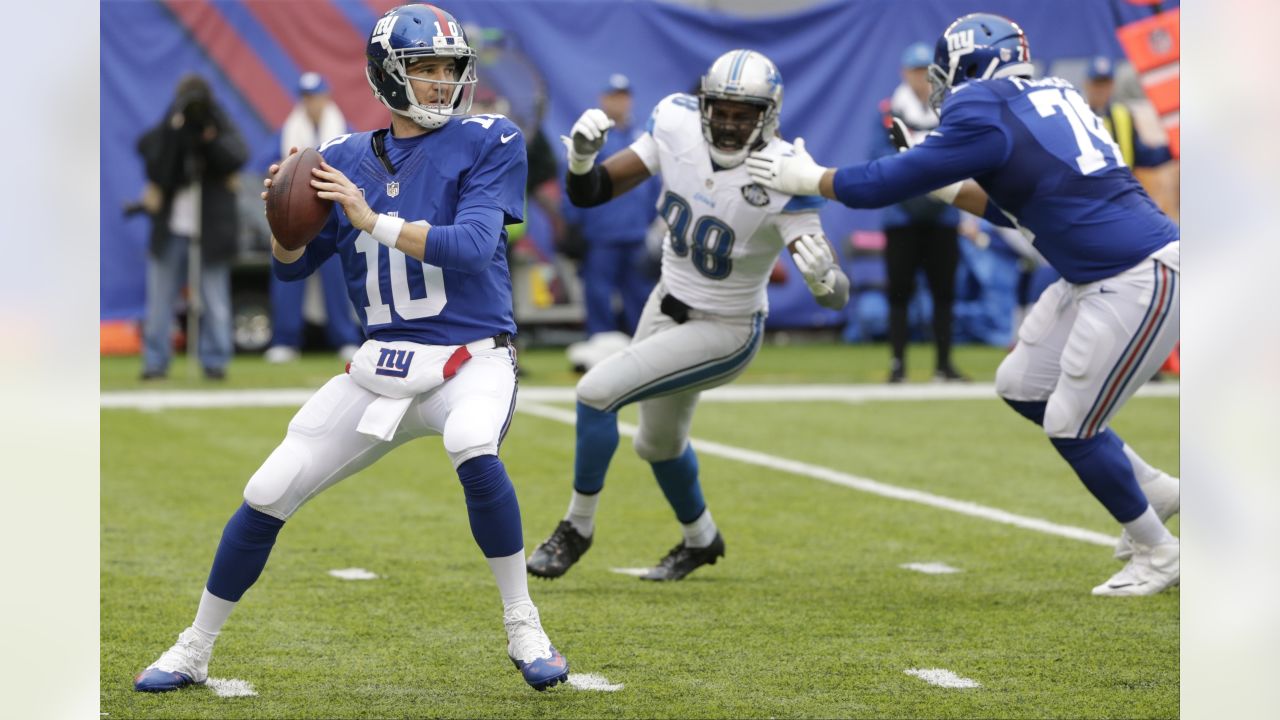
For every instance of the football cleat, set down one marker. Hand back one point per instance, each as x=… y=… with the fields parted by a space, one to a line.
x=186 y=663
x=683 y=560
x=529 y=648
x=559 y=552
x=1152 y=569
x=1163 y=494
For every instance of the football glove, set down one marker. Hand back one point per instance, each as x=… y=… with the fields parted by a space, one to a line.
x=816 y=263
x=795 y=174
x=585 y=140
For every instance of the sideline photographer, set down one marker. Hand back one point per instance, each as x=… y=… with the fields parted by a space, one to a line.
x=191 y=158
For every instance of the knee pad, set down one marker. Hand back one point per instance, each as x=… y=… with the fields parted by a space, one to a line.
x=1063 y=415
x=656 y=449
x=268 y=491
x=473 y=430
x=1009 y=377
x=595 y=390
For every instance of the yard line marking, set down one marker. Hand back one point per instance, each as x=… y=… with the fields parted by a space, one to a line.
x=930 y=568
x=353 y=574
x=854 y=482
x=943 y=678
x=231 y=687
x=295 y=397
x=589 y=681
x=633 y=572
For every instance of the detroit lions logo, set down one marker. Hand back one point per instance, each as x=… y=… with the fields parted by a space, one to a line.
x=394 y=363
x=755 y=195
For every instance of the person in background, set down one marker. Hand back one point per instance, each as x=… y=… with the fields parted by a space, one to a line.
x=612 y=235
x=920 y=232
x=314 y=120
x=190 y=159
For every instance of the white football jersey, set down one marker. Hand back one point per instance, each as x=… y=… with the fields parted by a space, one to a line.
x=725 y=231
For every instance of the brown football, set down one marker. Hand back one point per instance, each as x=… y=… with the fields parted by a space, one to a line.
x=294 y=212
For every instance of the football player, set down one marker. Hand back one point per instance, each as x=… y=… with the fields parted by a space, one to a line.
x=1041 y=162
x=418 y=223
x=704 y=320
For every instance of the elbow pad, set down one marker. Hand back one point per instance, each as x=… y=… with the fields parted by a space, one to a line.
x=592 y=188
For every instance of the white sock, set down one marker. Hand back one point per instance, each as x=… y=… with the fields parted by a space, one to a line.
x=1147 y=529
x=700 y=532
x=582 y=512
x=513 y=583
x=212 y=613
x=1161 y=488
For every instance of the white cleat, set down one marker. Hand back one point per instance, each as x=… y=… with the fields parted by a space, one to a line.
x=1165 y=499
x=186 y=663
x=280 y=354
x=531 y=650
x=1150 y=570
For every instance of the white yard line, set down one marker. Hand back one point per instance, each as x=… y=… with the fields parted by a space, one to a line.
x=589 y=681
x=835 y=477
x=930 y=568
x=633 y=572
x=353 y=574
x=294 y=397
x=231 y=687
x=943 y=678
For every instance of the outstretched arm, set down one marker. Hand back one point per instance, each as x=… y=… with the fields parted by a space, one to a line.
x=589 y=184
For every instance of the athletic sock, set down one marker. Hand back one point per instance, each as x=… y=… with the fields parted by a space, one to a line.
x=242 y=553
x=1147 y=529
x=582 y=512
x=212 y=615
x=597 y=440
x=1102 y=466
x=492 y=507
x=512 y=577
x=678 y=478
x=700 y=532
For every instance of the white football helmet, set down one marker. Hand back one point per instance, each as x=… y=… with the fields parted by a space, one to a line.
x=743 y=76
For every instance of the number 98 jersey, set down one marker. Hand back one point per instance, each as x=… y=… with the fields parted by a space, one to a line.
x=724 y=231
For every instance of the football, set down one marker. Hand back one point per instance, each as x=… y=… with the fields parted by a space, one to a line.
x=294 y=212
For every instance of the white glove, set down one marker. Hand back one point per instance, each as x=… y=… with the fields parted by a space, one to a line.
x=795 y=174
x=816 y=263
x=900 y=136
x=585 y=140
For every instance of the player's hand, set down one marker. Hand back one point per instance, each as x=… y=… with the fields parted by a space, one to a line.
x=900 y=136
x=585 y=140
x=816 y=263
x=795 y=174
x=271 y=174
x=331 y=184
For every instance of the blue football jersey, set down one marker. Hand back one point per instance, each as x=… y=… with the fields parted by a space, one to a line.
x=471 y=163
x=1047 y=165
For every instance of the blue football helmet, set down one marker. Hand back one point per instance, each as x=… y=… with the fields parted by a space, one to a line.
x=407 y=33
x=977 y=46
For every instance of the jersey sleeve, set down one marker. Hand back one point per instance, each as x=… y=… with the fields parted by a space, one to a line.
x=970 y=141
x=647 y=149
x=497 y=178
x=792 y=225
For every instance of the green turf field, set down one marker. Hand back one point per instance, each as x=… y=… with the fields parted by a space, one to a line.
x=809 y=615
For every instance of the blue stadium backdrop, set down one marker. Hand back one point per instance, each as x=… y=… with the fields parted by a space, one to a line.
x=837 y=60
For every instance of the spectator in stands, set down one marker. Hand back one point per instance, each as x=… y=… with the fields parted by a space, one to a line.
x=190 y=159
x=612 y=236
x=312 y=122
x=1099 y=90
x=920 y=232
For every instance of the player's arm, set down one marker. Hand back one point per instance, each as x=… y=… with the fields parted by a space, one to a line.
x=589 y=184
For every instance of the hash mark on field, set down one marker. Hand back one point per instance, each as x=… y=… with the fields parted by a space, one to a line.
x=943 y=678
x=634 y=572
x=835 y=477
x=353 y=574
x=931 y=568
x=589 y=681
x=231 y=687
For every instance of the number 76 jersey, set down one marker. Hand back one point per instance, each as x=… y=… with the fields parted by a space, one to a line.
x=724 y=231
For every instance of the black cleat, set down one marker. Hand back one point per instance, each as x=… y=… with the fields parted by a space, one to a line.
x=683 y=560
x=949 y=374
x=559 y=552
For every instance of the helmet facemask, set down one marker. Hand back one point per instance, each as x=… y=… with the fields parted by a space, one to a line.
x=732 y=128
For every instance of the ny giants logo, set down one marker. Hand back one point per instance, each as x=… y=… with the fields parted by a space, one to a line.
x=382 y=31
x=960 y=40
x=394 y=363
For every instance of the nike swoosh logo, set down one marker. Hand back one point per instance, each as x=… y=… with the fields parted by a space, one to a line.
x=506 y=138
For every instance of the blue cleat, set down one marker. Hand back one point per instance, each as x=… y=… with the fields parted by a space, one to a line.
x=531 y=651
x=186 y=663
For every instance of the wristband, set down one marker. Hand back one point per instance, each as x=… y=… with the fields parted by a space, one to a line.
x=387 y=230
x=947 y=194
x=581 y=164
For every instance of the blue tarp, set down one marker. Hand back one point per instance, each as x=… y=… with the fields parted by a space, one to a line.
x=837 y=61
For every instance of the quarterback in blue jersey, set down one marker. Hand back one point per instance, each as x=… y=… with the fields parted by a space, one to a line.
x=1029 y=154
x=418 y=222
